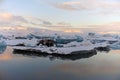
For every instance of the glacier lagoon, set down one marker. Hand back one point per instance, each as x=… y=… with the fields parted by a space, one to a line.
x=103 y=65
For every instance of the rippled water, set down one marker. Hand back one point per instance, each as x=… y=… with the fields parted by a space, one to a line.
x=21 y=66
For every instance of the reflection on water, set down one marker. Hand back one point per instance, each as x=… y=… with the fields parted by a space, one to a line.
x=9 y=54
x=6 y=53
x=30 y=66
x=78 y=56
x=103 y=49
x=62 y=57
x=2 y=48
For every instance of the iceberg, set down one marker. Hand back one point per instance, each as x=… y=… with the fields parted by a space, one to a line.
x=69 y=48
x=3 y=46
x=115 y=45
x=25 y=42
x=56 y=50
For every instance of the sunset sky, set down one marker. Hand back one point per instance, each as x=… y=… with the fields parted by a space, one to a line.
x=101 y=16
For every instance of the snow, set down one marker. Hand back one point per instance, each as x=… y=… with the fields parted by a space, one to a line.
x=104 y=44
x=26 y=42
x=62 y=50
x=67 y=48
x=15 y=42
x=74 y=44
x=107 y=39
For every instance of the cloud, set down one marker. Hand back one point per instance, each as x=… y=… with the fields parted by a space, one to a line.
x=67 y=5
x=7 y=17
x=77 y=5
x=58 y=26
x=47 y=24
x=1 y=1
x=99 y=6
x=12 y=22
x=63 y=24
x=110 y=28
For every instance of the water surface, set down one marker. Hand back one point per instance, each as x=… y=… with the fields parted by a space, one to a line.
x=100 y=66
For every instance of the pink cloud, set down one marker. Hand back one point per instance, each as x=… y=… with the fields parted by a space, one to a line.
x=102 y=6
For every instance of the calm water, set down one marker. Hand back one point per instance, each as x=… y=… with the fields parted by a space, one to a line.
x=100 y=66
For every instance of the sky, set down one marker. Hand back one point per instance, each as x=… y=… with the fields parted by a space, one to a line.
x=71 y=16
